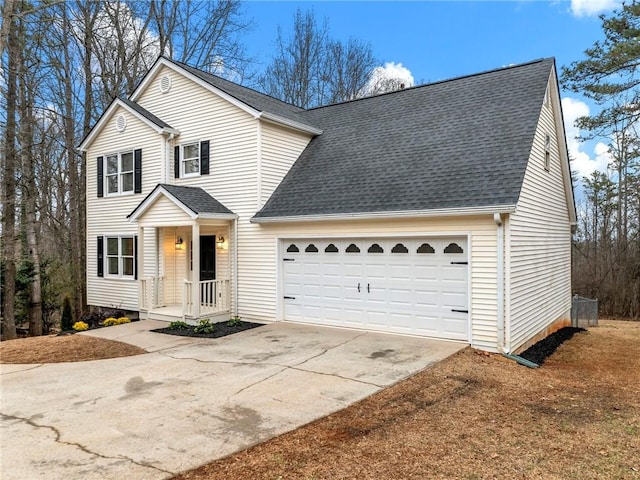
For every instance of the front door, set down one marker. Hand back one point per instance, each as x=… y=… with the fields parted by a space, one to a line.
x=207 y=257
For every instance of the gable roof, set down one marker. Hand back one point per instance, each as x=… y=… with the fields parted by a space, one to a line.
x=195 y=202
x=460 y=144
x=136 y=110
x=255 y=103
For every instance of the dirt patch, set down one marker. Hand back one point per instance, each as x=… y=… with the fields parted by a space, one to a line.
x=220 y=329
x=63 y=348
x=539 y=352
x=475 y=416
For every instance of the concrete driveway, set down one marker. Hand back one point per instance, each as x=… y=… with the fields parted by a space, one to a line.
x=190 y=401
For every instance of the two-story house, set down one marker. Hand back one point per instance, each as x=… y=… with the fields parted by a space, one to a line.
x=442 y=210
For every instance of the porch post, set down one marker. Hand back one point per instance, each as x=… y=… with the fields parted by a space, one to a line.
x=140 y=267
x=195 y=274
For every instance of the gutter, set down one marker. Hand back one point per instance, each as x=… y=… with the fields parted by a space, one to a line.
x=442 y=212
x=270 y=117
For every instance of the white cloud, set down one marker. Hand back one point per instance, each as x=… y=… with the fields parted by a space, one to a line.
x=582 y=162
x=391 y=76
x=591 y=8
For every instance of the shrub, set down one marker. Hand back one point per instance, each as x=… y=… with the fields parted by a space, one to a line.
x=204 y=326
x=80 y=326
x=110 y=321
x=66 y=321
x=178 y=325
x=233 y=321
x=122 y=320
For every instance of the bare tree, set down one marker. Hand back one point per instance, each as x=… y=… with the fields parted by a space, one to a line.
x=309 y=69
x=63 y=63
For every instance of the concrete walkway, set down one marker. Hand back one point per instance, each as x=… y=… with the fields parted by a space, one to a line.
x=189 y=401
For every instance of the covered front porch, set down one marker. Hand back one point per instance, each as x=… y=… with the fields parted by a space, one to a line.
x=184 y=256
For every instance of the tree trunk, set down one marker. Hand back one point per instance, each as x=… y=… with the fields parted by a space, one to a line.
x=29 y=199
x=9 y=188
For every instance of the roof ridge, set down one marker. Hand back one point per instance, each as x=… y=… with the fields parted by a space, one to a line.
x=437 y=82
x=183 y=64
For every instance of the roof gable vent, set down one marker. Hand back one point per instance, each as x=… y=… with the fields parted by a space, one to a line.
x=165 y=83
x=121 y=123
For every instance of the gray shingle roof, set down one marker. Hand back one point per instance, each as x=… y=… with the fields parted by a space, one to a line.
x=195 y=199
x=460 y=143
x=145 y=113
x=258 y=101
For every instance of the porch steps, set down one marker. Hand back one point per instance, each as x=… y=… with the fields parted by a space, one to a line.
x=173 y=317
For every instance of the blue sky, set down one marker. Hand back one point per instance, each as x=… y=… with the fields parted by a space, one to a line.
x=443 y=39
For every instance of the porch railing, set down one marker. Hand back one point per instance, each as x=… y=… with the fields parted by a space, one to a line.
x=214 y=296
x=151 y=292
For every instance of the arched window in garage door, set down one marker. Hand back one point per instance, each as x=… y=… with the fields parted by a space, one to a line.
x=399 y=248
x=331 y=248
x=426 y=248
x=375 y=248
x=353 y=248
x=292 y=249
x=311 y=248
x=453 y=248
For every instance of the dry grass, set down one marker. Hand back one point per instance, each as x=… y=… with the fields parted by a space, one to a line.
x=66 y=348
x=476 y=416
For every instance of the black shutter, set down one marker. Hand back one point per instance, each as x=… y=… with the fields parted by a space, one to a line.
x=137 y=171
x=176 y=162
x=100 y=177
x=100 y=259
x=135 y=257
x=204 y=157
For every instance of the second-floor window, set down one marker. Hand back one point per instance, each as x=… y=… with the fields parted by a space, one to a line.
x=190 y=160
x=119 y=173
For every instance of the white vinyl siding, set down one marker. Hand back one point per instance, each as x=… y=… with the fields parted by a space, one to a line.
x=107 y=216
x=258 y=270
x=540 y=241
x=202 y=115
x=281 y=147
x=164 y=212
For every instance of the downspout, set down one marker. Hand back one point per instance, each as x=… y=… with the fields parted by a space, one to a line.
x=500 y=300
x=167 y=157
x=500 y=280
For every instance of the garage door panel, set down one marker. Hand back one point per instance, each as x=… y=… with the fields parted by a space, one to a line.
x=408 y=292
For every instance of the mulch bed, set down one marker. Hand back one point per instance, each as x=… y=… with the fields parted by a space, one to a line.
x=538 y=352
x=221 y=329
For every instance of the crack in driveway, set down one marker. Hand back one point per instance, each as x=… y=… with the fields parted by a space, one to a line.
x=23 y=370
x=283 y=367
x=83 y=448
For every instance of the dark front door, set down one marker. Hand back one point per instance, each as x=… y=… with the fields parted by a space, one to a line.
x=207 y=257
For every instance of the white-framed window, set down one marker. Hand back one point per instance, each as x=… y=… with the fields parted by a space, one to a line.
x=190 y=159
x=120 y=256
x=547 y=152
x=119 y=173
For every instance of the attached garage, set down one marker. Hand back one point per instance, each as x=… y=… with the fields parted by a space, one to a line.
x=417 y=286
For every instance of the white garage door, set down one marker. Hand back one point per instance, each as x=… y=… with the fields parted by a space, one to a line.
x=417 y=286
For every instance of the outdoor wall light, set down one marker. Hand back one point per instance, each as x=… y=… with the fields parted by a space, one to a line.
x=179 y=243
x=220 y=241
